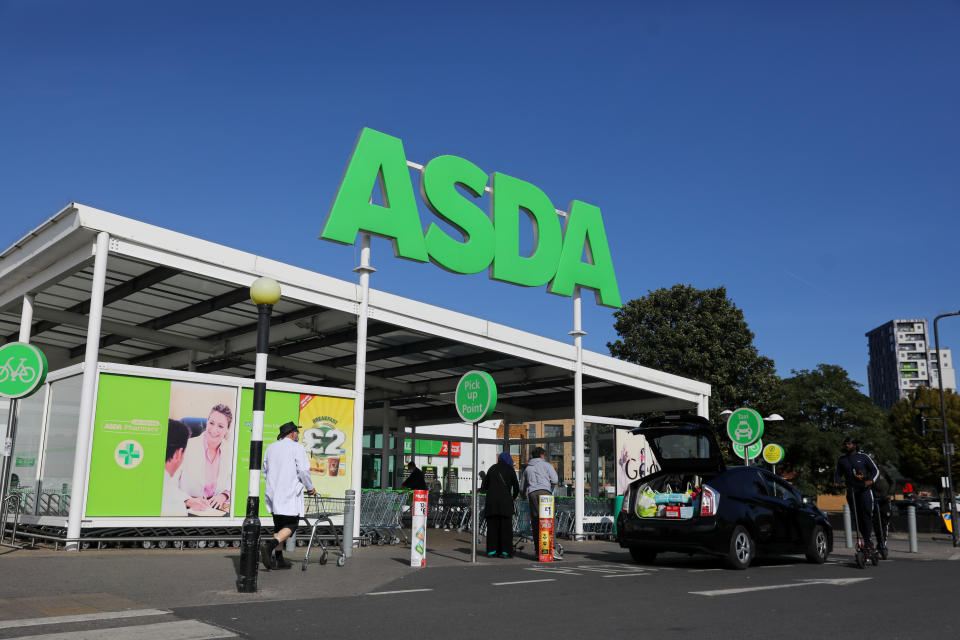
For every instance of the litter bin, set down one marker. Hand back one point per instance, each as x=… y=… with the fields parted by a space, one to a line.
x=617 y=505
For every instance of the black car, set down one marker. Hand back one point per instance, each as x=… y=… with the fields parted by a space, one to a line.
x=700 y=505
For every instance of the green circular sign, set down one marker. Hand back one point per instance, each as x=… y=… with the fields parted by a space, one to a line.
x=476 y=396
x=772 y=453
x=744 y=426
x=23 y=368
x=753 y=450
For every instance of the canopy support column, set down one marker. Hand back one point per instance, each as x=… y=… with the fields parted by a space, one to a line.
x=578 y=443
x=88 y=390
x=385 y=447
x=359 y=383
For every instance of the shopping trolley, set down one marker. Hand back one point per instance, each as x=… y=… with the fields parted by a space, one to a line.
x=319 y=511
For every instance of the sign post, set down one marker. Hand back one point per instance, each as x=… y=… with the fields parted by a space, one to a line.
x=772 y=454
x=752 y=452
x=418 y=526
x=744 y=426
x=545 y=543
x=476 y=398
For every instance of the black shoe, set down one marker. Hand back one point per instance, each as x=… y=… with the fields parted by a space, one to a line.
x=280 y=562
x=266 y=553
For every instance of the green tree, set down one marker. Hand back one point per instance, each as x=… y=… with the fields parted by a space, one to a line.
x=700 y=334
x=819 y=408
x=921 y=456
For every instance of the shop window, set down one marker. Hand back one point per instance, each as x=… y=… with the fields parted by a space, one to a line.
x=60 y=445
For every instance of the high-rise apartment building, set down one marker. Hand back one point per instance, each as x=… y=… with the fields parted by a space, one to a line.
x=902 y=359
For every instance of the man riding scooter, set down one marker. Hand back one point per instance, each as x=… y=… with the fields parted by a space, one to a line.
x=858 y=472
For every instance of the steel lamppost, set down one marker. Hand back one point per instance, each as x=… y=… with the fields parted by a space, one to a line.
x=265 y=293
x=947 y=445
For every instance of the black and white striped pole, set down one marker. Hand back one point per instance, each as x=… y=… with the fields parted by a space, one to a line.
x=265 y=293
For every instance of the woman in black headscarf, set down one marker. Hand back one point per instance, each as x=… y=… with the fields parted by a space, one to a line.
x=502 y=488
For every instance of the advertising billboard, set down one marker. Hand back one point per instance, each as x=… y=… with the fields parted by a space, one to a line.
x=634 y=459
x=169 y=448
x=326 y=432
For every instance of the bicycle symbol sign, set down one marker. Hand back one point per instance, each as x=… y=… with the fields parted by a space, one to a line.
x=23 y=369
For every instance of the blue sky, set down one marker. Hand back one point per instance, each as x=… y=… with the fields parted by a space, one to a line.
x=802 y=154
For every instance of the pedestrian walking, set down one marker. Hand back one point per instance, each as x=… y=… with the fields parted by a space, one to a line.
x=287 y=473
x=539 y=479
x=502 y=488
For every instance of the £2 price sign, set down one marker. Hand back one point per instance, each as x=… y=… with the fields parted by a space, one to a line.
x=23 y=369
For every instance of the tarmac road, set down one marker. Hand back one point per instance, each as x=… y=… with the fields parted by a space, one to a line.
x=597 y=589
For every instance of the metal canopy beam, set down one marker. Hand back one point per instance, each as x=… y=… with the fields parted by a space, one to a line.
x=333 y=338
x=139 y=333
x=236 y=332
x=465 y=360
x=392 y=352
x=201 y=308
x=131 y=286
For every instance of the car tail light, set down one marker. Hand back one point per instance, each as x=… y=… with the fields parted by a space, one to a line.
x=709 y=501
x=625 y=505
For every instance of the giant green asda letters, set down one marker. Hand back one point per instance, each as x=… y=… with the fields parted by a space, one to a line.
x=489 y=241
x=374 y=154
x=438 y=187
x=585 y=229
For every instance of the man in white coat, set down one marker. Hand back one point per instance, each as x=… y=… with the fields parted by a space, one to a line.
x=287 y=472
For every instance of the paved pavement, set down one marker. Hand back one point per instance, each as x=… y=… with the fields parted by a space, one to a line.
x=126 y=589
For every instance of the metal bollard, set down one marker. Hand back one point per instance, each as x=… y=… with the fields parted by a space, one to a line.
x=912 y=527
x=348 y=510
x=291 y=544
x=847 y=526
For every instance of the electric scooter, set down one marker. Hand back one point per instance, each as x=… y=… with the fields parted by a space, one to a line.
x=863 y=552
x=881 y=526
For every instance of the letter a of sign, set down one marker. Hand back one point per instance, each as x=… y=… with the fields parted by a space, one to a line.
x=377 y=155
x=585 y=231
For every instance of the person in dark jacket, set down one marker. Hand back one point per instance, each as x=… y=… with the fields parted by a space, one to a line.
x=416 y=480
x=502 y=488
x=858 y=472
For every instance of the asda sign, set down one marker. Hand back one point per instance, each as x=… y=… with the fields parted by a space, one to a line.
x=449 y=186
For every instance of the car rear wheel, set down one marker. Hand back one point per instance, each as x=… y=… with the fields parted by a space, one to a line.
x=741 y=550
x=641 y=555
x=817 y=548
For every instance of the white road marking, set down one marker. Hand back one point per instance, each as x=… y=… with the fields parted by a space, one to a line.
x=176 y=630
x=500 y=584
x=82 y=617
x=626 y=575
x=387 y=593
x=804 y=583
x=955 y=556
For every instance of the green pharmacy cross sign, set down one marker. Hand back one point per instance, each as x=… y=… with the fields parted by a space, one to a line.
x=23 y=369
x=476 y=396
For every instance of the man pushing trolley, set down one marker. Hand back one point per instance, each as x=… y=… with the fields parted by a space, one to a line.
x=287 y=473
